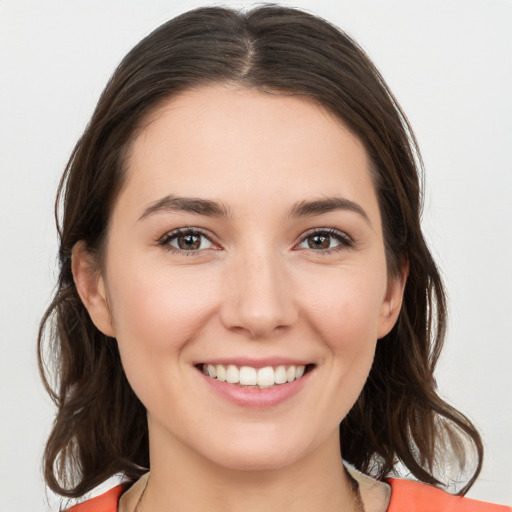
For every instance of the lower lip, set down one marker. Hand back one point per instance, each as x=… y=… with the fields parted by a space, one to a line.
x=256 y=398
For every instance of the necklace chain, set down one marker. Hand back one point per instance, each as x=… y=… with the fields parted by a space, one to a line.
x=353 y=483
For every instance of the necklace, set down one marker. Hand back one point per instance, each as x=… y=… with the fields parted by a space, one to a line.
x=353 y=483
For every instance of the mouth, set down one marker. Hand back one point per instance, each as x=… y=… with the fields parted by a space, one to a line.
x=251 y=377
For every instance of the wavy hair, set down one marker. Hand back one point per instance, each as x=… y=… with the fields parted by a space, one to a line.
x=100 y=427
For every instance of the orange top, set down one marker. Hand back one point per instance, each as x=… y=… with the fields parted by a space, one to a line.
x=106 y=502
x=410 y=496
x=406 y=496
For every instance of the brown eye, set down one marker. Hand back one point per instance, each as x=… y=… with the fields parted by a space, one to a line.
x=325 y=240
x=319 y=241
x=188 y=241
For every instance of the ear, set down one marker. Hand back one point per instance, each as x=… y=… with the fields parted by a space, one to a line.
x=91 y=288
x=392 y=303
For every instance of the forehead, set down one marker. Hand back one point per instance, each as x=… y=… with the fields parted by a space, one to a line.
x=237 y=144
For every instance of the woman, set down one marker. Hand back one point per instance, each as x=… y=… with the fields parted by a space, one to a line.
x=245 y=291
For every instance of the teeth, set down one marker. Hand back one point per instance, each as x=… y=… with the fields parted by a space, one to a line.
x=249 y=376
x=221 y=372
x=266 y=377
x=232 y=374
x=280 y=375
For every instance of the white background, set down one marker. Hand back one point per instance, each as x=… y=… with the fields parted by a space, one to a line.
x=450 y=65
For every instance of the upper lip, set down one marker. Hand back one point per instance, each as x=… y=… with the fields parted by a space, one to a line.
x=256 y=362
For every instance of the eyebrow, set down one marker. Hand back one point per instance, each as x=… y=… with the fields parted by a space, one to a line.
x=195 y=205
x=326 y=205
x=209 y=208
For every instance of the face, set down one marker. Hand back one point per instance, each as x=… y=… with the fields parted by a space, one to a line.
x=245 y=276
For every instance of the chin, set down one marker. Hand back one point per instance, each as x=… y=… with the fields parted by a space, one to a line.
x=249 y=454
x=246 y=462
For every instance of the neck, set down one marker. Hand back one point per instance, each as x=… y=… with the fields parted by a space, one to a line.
x=193 y=483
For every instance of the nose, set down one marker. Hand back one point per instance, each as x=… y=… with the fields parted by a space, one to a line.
x=259 y=299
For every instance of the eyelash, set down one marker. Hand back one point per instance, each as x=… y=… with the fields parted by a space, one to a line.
x=345 y=241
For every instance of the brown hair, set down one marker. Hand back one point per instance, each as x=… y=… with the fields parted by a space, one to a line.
x=101 y=427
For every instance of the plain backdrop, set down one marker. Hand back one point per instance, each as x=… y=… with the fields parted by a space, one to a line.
x=450 y=65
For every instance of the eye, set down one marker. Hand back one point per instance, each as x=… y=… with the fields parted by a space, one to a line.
x=186 y=240
x=325 y=240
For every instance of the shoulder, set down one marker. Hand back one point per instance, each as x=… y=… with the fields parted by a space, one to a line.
x=106 y=502
x=410 y=496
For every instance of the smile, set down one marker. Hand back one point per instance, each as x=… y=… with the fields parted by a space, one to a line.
x=262 y=378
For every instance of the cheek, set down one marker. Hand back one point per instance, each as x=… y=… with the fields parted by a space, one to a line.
x=346 y=308
x=345 y=316
x=156 y=314
x=159 y=304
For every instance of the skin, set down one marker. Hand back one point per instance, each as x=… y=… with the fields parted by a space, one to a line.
x=258 y=287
